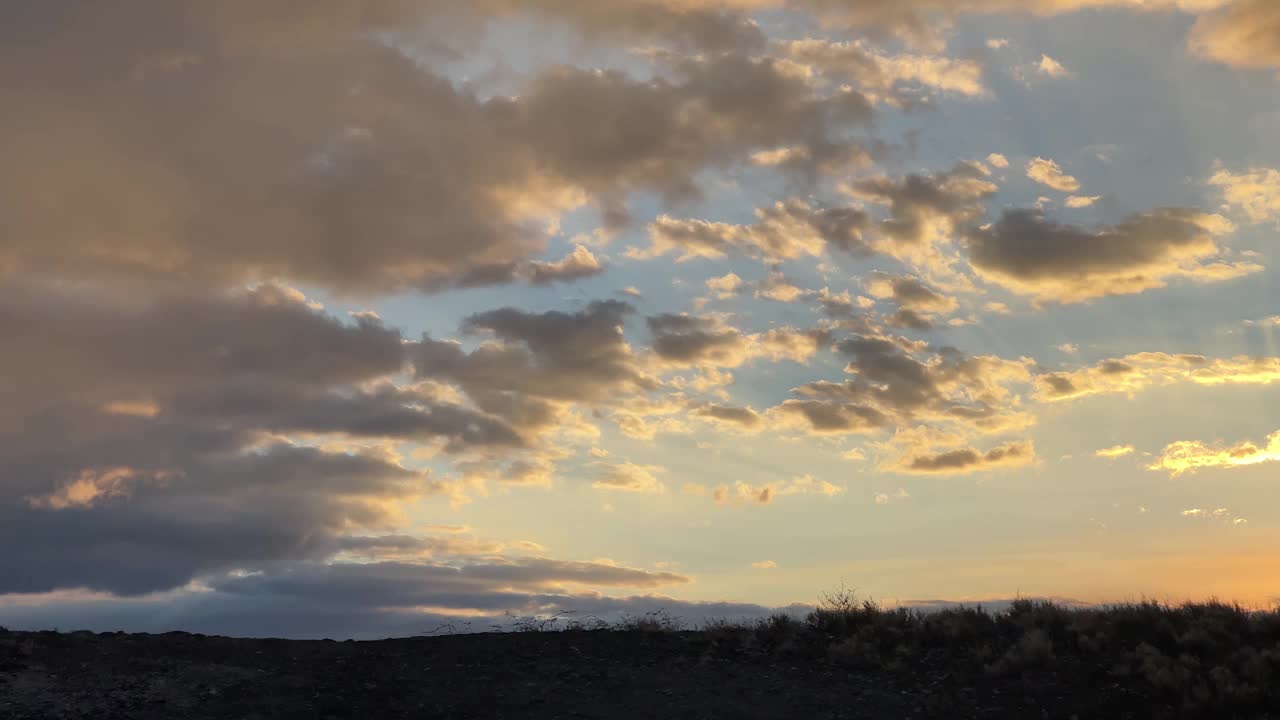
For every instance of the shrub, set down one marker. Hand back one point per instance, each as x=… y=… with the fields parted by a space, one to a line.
x=1032 y=651
x=653 y=621
x=855 y=652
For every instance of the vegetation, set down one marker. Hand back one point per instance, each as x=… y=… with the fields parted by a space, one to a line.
x=1210 y=659
x=847 y=658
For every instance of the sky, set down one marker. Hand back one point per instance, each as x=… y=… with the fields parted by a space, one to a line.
x=357 y=318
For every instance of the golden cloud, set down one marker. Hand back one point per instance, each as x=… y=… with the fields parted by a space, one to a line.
x=1139 y=371
x=1254 y=192
x=1192 y=455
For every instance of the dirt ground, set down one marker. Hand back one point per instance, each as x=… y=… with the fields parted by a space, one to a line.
x=576 y=674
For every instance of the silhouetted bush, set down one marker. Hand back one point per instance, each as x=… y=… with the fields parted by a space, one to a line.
x=1209 y=659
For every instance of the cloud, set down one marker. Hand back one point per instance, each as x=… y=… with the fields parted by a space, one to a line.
x=663 y=132
x=925 y=209
x=968 y=460
x=828 y=416
x=997 y=160
x=1254 y=193
x=910 y=293
x=407 y=548
x=902 y=80
x=1116 y=451
x=917 y=302
x=1242 y=34
x=1044 y=68
x=1192 y=455
x=707 y=342
x=777 y=287
x=576 y=265
x=1132 y=373
x=764 y=565
x=1048 y=173
x=785 y=230
x=629 y=477
x=1077 y=201
x=885 y=498
x=1220 y=514
x=1052 y=68
x=926 y=23
x=924 y=212
x=1030 y=254
x=356 y=200
x=576 y=356
x=643 y=418
x=158 y=397
x=738 y=418
x=894 y=382
x=221 y=511
x=375 y=600
x=909 y=320
x=725 y=286
x=698 y=341
x=806 y=484
x=741 y=492
x=164 y=194
x=93 y=485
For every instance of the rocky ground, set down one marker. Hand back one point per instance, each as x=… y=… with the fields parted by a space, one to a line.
x=573 y=674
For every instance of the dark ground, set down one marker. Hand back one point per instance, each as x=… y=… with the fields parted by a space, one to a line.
x=573 y=674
